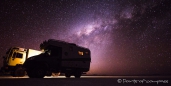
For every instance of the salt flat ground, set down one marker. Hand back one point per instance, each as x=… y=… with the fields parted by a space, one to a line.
x=87 y=81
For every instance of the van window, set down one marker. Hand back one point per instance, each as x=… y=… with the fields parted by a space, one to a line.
x=71 y=48
x=56 y=51
x=11 y=53
x=19 y=55
x=80 y=53
x=14 y=55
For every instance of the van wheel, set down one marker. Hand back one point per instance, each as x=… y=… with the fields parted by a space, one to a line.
x=31 y=73
x=77 y=74
x=40 y=73
x=36 y=72
x=19 y=72
x=67 y=75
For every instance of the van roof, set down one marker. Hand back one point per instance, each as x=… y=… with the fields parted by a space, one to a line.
x=60 y=41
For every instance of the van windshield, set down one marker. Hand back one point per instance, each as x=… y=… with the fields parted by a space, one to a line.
x=17 y=55
x=47 y=52
x=11 y=52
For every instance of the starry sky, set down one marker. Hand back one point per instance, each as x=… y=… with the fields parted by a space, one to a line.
x=126 y=37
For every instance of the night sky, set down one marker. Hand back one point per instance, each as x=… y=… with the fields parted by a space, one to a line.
x=126 y=37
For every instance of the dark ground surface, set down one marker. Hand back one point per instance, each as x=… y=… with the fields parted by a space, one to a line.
x=87 y=81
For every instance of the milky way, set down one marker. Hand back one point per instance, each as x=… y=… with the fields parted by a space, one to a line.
x=124 y=36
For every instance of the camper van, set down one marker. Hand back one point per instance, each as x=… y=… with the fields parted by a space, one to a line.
x=59 y=57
